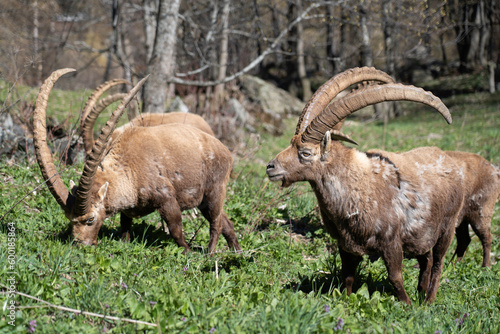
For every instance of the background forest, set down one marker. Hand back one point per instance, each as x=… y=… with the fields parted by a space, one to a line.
x=296 y=44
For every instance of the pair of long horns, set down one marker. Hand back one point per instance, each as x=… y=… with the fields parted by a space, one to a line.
x=44 y=156
x=320 y=115
x=94 y=107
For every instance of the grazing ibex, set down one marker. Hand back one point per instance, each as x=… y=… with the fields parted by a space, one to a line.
x=93 y=109
x=167 y=168
x=376 y=203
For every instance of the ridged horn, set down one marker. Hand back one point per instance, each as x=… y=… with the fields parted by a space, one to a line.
x=92 y=100
x=89 y=121
x=340 y=109
x=97 y=154
x=330 y=89
x=42 y=151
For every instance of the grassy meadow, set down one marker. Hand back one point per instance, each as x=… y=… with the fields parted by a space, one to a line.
x=285 y=281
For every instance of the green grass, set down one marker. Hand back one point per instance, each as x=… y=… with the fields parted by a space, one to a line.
x=286 y=280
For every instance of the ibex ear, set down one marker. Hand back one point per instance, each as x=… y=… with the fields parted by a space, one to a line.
x=72 y=187
x=325 y=145
x=102 y=192
x=337 y=135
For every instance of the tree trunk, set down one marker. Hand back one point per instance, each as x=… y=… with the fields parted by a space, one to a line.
x=366 y=50
x=473 y=30
x=113 y=39
x=344 y=38
x=150 y=11
x=301 y=64
x=390 y=62
x=219 y=89
x=331 y=50
x=366 y=54
x=36 y=46
x=162 y=61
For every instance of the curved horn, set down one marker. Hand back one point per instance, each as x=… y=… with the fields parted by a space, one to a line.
x=42 y=151
x=96 y=95
x=340 y=109
x=97 y=154
x=330 y=89
x=89 y=121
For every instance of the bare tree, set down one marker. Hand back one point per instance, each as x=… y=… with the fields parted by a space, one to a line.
x=36 y=45
x=473 y=30
x=331 y=49
x=162 y=61
x=150 y=8
x=301 y=64
x=219 y=89
x=366 y=48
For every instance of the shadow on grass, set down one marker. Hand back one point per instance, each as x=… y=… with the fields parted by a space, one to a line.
x=305 y=226
x=140 y=231
x=231 y=261
x=326 y=282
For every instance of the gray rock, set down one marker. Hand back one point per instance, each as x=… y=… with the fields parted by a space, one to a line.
x=177 y=105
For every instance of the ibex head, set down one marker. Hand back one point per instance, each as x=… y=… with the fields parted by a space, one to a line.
x=84 y=205
x=318 y=130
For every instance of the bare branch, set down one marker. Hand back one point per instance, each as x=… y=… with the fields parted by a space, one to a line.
x=255 y=62
x=91 y=314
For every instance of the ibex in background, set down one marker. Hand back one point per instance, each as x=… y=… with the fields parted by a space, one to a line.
x=377 y=203
x=168 y=168
x=482 y=188
x=93 y=109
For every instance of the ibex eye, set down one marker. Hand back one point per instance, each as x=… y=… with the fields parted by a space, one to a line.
x=305 y=154
x=90 y=220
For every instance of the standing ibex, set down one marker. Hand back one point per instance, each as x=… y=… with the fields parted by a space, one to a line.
x=168 y=168
x=377 y=203
x=482 y=183
x=482 y=188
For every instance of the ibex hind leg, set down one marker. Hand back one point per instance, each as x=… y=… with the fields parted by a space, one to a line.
x=229 y=234
x=126 y=224
x=481 y=224
x=214 y=217
x=424 y=277
x=463 y=239
x=212 y=211
x=438 y=253
x=171 y=213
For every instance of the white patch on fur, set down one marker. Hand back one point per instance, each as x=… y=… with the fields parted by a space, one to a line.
x=336 y=189
x=177 y=176
x=496 y=170
x=352 y=214
x=412 y=214
x=437 y=167
x=388 y=170
x=389 y=229
x=461 y=173
x=379 y=165
x=190 y=192
x=360 y=159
